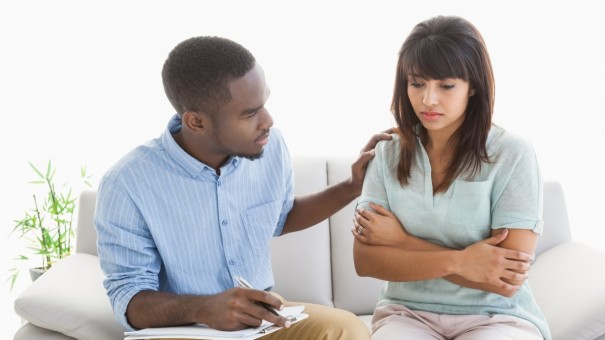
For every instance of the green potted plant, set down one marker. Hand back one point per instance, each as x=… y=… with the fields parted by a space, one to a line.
x=47 y=226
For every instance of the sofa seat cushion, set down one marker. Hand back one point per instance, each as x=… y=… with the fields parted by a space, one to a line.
x=29 y=332
x=567 y=281
x=70 y=299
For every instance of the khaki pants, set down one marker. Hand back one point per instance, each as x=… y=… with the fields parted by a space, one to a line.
x=323 y=323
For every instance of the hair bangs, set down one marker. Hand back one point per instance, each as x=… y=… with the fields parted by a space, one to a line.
x=434 y=59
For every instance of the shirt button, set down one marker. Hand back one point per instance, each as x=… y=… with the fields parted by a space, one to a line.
x=231 y=262
x=224 y=222
x=219 y=183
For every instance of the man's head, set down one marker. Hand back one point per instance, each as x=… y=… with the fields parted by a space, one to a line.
x=219 y=91
x=198 y=71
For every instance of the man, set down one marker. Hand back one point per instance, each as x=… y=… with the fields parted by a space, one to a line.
x=181 y=216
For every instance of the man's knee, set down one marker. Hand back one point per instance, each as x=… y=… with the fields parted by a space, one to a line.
x=331 y=324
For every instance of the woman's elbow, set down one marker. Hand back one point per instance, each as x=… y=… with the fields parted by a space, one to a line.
x=360 y=269
x=360 y=259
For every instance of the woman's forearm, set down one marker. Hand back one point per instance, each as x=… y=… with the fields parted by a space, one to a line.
x=481 y=266
x=398 y=264
x=415 y=243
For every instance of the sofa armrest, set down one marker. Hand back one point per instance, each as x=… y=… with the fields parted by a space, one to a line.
x=70 y=299
x=568 y=281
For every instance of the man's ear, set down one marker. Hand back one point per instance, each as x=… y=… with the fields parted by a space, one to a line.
x=195 y=121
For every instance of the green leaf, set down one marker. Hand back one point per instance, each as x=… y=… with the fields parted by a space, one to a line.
x=36 y=170
x=13 y=277
x=37 y=182
x=52 y=175
x=48 y=170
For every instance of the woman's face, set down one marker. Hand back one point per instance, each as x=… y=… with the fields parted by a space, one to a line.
x=440 y=105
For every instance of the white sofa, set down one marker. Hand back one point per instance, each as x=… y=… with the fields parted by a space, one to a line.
x=316 y=265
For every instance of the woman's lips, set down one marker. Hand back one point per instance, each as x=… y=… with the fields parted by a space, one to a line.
x=431 y=116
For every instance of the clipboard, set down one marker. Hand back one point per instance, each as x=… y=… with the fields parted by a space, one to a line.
x=200 y=331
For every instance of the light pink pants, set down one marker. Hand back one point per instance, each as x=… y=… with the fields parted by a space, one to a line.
x=392 y=322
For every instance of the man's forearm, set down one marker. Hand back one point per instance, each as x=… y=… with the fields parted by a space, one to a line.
x=159 y=309
x=311 y=209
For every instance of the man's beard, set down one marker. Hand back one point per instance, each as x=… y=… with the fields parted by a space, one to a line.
x=251 y=157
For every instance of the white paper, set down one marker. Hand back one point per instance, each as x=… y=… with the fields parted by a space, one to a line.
x=200 y=331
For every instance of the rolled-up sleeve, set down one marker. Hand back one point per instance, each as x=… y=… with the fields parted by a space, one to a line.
x=519 y=204
x=374 y=189
x=127 y=252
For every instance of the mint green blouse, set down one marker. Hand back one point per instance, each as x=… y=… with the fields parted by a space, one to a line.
x=506 y=193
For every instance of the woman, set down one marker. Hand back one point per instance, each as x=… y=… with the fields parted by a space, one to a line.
x=451 y=207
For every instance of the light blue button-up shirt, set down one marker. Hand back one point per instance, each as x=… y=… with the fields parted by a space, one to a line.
x=506 y=193
x=167 y=222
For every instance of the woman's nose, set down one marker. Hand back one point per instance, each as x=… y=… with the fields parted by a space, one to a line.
x=431 y=98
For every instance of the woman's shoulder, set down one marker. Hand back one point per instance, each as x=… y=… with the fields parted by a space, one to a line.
x=389 y=146
x=387 y=151
x=505 y=139
x=504 y=143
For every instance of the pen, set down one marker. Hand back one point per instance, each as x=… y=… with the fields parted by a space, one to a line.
x=244 y=284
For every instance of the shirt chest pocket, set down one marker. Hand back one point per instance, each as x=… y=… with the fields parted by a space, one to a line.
x=259 y=224
x=470 y=205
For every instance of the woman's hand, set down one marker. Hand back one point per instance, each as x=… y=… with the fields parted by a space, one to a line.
x=485 y=262
x=378 y=228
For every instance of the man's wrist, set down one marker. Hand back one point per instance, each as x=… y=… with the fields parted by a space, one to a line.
x=352 y=189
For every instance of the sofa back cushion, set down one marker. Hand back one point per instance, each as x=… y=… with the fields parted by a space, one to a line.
x=351 y=292
x=556 y=221
x=301 y=260
x=86 y=234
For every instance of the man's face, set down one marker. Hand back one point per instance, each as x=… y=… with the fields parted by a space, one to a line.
x=241 y=127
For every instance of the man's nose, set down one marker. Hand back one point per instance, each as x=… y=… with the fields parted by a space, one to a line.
x=266 y=119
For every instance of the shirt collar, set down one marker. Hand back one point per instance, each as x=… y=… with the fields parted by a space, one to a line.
x=193 y=166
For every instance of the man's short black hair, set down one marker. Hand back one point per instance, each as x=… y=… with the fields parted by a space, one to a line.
x=197 y=72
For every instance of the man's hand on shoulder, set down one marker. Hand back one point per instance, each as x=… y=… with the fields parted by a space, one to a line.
x=358 y=169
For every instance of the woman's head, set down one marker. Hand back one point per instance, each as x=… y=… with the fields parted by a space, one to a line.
x=438 y=49
x=446 y=47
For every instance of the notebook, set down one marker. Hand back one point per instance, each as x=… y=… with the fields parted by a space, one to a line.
x=200 y=331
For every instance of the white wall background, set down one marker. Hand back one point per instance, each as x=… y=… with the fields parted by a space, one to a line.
x=80 y=84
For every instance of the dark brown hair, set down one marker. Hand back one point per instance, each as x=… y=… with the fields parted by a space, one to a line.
x=440 y=48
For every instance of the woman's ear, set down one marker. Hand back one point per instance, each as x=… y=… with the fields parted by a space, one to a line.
x=471 y=92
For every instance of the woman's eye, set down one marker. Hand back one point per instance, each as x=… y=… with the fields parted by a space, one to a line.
x=415 y=85
x=448 y=86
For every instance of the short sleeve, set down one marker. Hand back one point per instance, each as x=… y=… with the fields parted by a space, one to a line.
x=519 y=189
x=374 y=189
